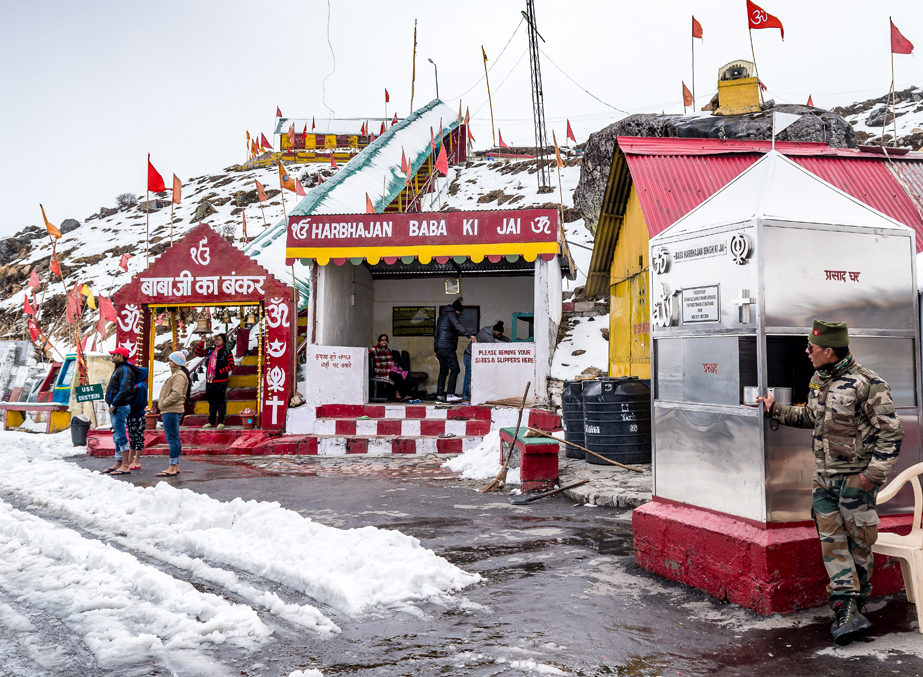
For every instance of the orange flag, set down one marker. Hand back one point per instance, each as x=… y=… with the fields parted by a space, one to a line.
x=55 y=233
x=246 y=239
x=286 y=181
x=387 y=96
x=502 y=144
x=687 y=96
x=442 y=162
x=467 y=117
x=260 y=191
x=470 y=135
x=404 y=167
x=557 y=151
x=696 y=29
x=177 y=190
x=369 y=207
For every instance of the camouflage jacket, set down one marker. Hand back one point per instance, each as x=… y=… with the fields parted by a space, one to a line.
x=856 y=428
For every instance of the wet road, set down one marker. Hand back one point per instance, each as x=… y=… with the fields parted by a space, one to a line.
x=561 y=595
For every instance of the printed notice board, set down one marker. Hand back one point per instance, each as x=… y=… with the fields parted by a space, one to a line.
x=413 y=320
x=701 y=304
x=89 y=393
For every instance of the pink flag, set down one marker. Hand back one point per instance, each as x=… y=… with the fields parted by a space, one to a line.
x=33 y=280
x=106 y=309
x=27 y=309
x=810 y=101
x=404 y=167
x=899 y=44
x=123 y=262
x=299 y=189
x=502 y=144
x=333 y=161
x=442 y=162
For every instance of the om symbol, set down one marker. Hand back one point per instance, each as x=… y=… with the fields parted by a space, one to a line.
x=759 y=17
x=132 y=319
x=277 y=313
x=541 y=224
x=201 y=254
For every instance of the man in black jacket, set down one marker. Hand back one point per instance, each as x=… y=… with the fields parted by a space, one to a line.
x=119 y=394
x=445 y=344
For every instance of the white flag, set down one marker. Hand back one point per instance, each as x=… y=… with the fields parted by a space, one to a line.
x=781 y=121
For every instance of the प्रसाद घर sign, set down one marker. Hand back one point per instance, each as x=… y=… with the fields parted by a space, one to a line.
x=701 y=304
x=413 y=320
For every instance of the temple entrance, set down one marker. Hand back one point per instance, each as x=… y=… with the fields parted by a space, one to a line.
x=201 y=286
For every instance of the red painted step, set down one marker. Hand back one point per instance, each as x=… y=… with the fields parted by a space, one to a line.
x=455 y=413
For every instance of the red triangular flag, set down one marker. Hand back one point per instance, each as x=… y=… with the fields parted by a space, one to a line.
x=467 y=117
x=304 y=132
x=155 y=182
x=470 y=135
x=333 y=161
x=320 y=178
x=53 y=266
x=810 y=101
x=404 y=166
x=123 y=262
x=371 y=138
x=502 y=145
x=101 y=327
x=394 y=121
x=369 y=207
x=760 y=18
x=687 y=96
x=27 y=309
x=106 y=309
x=899 y=44
x=33 y=330
x=278 y=112
x=33 y=280
x=382 y=130
x=442 y=162
x=570 y=133
x=299 y=189
x=312 y=124
x=264 y=142
x=260 y=191
x=387 y=96
x=362 y=130
x=696 y=28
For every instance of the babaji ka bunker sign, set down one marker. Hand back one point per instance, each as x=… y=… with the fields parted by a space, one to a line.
x=425 y=236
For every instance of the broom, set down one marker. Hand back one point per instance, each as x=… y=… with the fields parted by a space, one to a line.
x=501 y=476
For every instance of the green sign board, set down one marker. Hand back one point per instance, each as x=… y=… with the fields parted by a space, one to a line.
x=413 y=320
x=89 y=393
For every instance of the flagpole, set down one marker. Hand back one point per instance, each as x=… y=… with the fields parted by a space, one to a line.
x=493 y=135
x=147 y=219
x=693 y=70
x=265 y=225
x=755 y=67
x=413 y=77
x=893 y=97
x=171 y=222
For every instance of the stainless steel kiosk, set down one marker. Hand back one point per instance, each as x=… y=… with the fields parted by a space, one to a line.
x=735 y=286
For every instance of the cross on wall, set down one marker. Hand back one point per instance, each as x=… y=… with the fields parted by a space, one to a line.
x=743 y=306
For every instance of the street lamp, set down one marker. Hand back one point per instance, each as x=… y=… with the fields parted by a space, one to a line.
x=437 y=76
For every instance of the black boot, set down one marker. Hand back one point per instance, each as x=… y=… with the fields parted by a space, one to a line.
x=849 y=624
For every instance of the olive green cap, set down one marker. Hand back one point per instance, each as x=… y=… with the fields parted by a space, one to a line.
x=829 y=334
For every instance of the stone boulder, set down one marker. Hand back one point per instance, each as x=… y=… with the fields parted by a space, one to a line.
x=815 y=125
x=67 y=225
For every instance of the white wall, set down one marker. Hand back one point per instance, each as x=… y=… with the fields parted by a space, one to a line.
x=548 y=313
x=339 y=323
x=498 y=298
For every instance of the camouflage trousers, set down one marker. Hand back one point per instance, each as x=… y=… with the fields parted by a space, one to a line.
x=847 y=525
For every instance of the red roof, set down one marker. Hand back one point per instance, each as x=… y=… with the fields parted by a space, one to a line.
x=673 y=176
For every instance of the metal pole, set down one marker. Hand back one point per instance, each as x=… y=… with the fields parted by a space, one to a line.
x=538 y=101
x=755 y=67
x=893 y=98
x=147 y=218
x=493 y=135
x=693 y=72
x=413 y=77
x=437 y=75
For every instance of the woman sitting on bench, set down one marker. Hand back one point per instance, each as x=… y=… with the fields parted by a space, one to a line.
x=387 y=368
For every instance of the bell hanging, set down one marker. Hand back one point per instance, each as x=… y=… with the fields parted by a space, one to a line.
x=203 y=326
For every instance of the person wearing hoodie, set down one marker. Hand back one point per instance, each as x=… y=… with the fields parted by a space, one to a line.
x=136 y=426
x=172 y=404
x=485 y=335
x=119 y=395
x=445 y=345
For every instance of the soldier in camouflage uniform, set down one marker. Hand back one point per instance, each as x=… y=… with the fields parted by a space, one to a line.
x=857 y=438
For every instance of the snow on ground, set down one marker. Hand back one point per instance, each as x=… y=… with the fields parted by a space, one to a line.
x=908 y=119
x=586 y=335
x=59 y=557
x=483 y=461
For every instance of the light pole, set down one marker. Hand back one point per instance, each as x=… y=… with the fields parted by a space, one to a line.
x=437 y=76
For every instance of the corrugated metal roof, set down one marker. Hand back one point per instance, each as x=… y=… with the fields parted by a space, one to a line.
x=640 y=145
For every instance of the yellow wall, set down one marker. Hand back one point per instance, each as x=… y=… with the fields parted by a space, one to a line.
x=629 y=321
x=736 y=97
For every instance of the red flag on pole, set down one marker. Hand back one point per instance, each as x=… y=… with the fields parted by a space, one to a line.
x=33 y=279
x=246 y=239
x=291 y=135
x=362 y=130
x=502 y=144
x=278 y=112
x=264 y=142
x=387 y=96
x=760 y=18
x=177 y=190
x=312 y=124
x=27 y=309
x=382 y=130
x=53 y=266
x=260 y=191
x=101 y=327
x=442 y=162
x=810 y=101
x=394 y=120
x=299 y=189
x=33 y=330
x=470 y=135
x=696 y=28
x=83 y=344
x=372 y=137
x=106 y=309
x=155 y=182
x=404 y=167
x=304 y=132
x=123 y=262
x=333 y=161
x=899 y=44
x=369 y=207
x=687 y=96
x=570 y=133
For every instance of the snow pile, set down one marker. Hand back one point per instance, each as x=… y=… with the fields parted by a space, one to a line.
x=306 y=673
x=586 y=335
x=483 y=461
x=122 y=605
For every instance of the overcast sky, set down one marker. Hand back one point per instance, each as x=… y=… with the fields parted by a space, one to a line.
x=89 y=88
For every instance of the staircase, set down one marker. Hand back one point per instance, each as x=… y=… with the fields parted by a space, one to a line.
x=242 y=388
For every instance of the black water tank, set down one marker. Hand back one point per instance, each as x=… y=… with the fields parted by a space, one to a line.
x=572 y=406
x=617 y=420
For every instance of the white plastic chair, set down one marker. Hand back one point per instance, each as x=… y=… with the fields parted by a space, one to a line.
x=908 y=549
